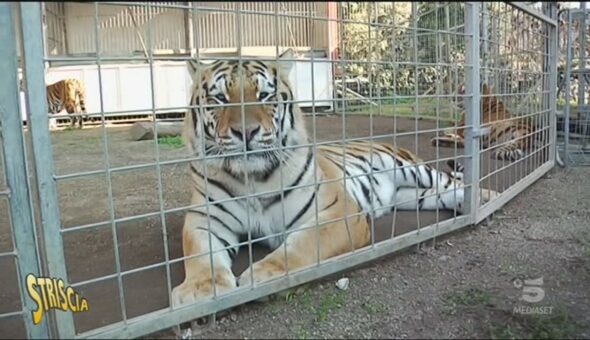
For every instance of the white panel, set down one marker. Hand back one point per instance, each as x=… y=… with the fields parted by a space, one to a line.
x=172 y=85
x=90 y=79
x=127 y=87
x=110 y=90
x=301 y=77
x=135 y=88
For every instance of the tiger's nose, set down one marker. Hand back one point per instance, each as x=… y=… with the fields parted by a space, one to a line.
x=249 y=133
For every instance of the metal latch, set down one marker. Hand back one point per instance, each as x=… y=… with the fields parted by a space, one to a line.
x=478 y=132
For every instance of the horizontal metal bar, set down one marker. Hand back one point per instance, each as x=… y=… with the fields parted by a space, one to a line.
x=165 y=318
x=8 y=254
x=253 y=240
x=261 y=58
x=12 y=314
x=515 y=189
x=236 y=198
x=308 y=16
x=527 y=9
x=509 y=165
x=241 y=153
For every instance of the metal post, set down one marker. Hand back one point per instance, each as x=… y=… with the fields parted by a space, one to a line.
x=189 y=31
x=23 y=226
x=568 y=74
x=472 y=107
x=551 y=50
x=42 y=152
x=582 y=61
x=485 y=47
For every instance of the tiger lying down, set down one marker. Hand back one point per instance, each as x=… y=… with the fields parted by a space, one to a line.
x=408 y=184
x=510 y=137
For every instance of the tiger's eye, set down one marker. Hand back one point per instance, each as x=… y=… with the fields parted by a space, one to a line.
x=263 y=95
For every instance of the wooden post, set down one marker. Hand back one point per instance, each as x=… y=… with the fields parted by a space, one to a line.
x=189 y=29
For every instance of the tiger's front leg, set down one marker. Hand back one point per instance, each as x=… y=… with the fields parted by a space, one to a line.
x=302 y=244
x=198 y=283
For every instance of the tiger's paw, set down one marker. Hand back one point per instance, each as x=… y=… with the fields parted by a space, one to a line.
x=195 y=289
x=445 y=139
x=260 y=272
x=488 y=195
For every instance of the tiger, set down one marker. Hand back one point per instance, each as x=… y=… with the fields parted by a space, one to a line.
x=68 y=94
x=511 y=137
x=275 y=194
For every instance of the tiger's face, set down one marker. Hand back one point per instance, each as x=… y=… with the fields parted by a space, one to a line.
x=239 y=107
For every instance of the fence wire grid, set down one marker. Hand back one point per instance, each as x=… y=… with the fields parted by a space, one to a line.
x=573 y=110
x=349 y=131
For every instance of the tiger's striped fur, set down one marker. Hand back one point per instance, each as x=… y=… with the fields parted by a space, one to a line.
x=509 y=136
x=68 y=94
x=313 y=181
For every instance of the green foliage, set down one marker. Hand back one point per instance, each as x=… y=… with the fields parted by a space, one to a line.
x=172 y=141
x=380 y=38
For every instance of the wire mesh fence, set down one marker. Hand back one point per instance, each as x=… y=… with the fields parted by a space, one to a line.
x=420 y=118
x=574 y=114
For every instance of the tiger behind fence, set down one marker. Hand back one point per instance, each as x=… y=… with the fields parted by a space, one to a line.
x=312 y=181
x=68 y=94
x=510 y=137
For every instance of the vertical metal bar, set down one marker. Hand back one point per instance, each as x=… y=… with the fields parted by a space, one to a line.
x=98 y=46
x=417 y=105
x=394 y=94
x=188 y=30
x=582 y=61
x=33 y=56
x=22 y=222
x=568 y=75
x=239 y=44
x=485 y=47
x=150 y=53
x=551 y=68
x=64 y=25
x=437 y=55
x=371 y=7
x=472 y=106
x=342 y=58
x=44 y=30
x=281 y=132
x=582 y=111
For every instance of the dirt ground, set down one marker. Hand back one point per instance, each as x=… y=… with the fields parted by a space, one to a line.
x=467 y=285
x=395 y=294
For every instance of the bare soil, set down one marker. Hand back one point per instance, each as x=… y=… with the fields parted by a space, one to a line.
x=470 y=284
x=407 y=286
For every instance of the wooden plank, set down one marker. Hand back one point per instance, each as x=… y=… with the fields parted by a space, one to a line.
x=145 y=130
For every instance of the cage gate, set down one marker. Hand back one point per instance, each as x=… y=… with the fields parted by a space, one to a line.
x=315 y=137
x=573 y=112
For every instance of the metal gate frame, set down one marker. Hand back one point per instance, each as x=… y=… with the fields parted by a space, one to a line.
x=22 y=221
x=549 y=17
x=576 y=153
x=48 y=201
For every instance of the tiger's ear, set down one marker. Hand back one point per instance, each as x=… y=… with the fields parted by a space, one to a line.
x=193 y=65
x=286 y=61
x=486 y=89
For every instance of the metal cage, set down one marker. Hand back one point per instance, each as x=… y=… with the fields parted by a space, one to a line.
x=104 y=213
x=573 y=111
